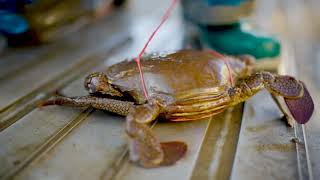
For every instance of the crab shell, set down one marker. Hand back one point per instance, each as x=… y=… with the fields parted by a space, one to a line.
x=173 y=79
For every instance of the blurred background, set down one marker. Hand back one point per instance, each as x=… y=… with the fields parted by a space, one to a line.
x=52 y=44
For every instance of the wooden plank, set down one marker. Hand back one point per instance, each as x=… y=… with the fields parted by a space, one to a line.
x=30 y=137
x=85 y=153
x=298 y=21
x=30 y=100
x=288 y=25
x=20 y=140
x=70 y=52
x=218 y=150
x=14 y=60
x=303 y=29
x=168 y=132
x=93 y=148
x=265 y=149
x=22 y=105
x=304 y=167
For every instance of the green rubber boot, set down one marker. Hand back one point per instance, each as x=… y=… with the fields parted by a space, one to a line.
x=236 y=39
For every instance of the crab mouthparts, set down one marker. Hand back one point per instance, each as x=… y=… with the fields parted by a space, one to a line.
x=302 y=108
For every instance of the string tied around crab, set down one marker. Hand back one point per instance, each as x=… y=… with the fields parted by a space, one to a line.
x=226 y=61
x=138 y=59
x=163 y=20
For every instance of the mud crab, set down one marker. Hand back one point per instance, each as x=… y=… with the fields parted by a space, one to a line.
x=183 y=86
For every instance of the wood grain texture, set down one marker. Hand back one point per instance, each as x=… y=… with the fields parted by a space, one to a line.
x=297 y=22
x=59 y=59
x=22 y=106
x=27 y=135
x=303 y=31
x=180 y=131
x=265 y=149
x=85 y=153
x=218 y=149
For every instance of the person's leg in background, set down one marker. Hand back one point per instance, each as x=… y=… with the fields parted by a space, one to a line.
x=13 y=25
x=220 y=27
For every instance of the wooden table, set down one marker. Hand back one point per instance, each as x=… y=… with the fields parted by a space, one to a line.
x=246 y=142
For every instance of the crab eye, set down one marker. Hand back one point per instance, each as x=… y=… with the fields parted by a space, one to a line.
x=91 y=88
x=89 y=84
x=96 y=82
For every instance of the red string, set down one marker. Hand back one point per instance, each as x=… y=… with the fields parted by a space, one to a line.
x=164 y=18
x=225 y=59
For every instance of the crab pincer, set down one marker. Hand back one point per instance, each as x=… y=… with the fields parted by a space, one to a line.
x=301 y=108
x=144 y=147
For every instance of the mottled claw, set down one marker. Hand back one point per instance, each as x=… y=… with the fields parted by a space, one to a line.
x=111 y=105
x=301 y=108
x=287 y=86
x=144 y=147
x=294 y=92
x=296 y=96
x=173 y=151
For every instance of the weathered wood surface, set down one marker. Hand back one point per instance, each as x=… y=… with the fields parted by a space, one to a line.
x=271 y=154
x=303 y=22
x=217 y=153
x=59 y=64
x=265 y=148
x=66 y=143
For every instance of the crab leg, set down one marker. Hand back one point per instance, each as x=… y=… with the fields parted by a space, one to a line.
x=292 y=90
x=287 y=116
x=111 y=105
x=144 y=147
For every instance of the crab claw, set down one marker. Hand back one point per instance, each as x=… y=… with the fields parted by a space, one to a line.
x=144 y=147
x=301 y=108
x=173 y=151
